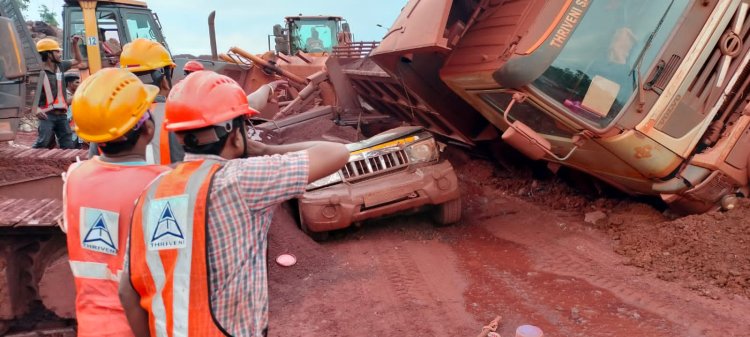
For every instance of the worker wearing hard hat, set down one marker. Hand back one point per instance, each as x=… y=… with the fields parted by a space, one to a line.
x=53 y=107
x=152 y=63
x=191 y=67
x=212 y=212
x=111 y=108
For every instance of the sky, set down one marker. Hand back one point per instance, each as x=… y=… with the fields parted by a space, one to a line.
x=247 y=24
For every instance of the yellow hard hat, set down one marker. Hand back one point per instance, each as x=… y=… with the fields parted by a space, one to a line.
x=109 y=103
x=143 y=55
x=47 y=44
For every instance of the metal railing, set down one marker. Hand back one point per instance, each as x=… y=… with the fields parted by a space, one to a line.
x=355 y=49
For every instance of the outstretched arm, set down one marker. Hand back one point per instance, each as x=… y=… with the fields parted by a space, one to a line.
x=325 y=157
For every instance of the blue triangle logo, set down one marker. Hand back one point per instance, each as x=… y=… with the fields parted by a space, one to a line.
x=99 y=233
x=167 y=225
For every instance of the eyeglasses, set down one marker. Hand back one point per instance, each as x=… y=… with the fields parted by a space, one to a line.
x=251 y=130
x=146 y=116
x=152 y=76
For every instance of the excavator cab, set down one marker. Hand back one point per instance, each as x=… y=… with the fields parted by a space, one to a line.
x=311 y=34
x=106 y=26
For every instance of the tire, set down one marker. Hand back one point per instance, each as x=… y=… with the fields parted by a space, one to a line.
x=316 y=236
x=447 y=213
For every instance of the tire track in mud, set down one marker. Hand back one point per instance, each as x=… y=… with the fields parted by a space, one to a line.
x=582 y=257
x=649 y=297
x=409 y=285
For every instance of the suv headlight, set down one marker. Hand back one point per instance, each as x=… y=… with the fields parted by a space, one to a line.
x=422 y=152
x=322 y=182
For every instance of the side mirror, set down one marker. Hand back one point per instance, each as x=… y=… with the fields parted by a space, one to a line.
x=11 y=60
x=527 y=141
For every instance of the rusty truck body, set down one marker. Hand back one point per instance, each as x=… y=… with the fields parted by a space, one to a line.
x=648 y=96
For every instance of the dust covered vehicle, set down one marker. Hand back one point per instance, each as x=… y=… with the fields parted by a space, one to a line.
x=395 y=171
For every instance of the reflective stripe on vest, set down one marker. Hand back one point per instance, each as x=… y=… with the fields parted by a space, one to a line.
x=160 y=142
x=52 y=103
x=94 y=270
x=168 y=266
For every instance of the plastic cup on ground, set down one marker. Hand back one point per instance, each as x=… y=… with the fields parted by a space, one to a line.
x=529 y=331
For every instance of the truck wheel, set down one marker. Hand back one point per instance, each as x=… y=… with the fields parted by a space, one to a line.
x=316 y=236
x=447 y=213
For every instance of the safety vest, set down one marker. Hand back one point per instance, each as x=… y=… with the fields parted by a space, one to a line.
x=165 y=148
x=99 y=198
x=51 y=102
x=168 y=260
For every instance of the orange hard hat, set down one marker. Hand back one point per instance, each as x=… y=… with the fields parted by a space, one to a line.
x=47 y=44
x=110 y=103
x=203 y=99
x=192 y=66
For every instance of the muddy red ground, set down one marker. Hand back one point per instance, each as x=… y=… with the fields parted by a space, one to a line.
x=522 y=252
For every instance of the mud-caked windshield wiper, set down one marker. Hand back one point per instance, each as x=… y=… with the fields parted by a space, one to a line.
x=635 y=72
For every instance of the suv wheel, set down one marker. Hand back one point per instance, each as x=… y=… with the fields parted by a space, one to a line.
x=448 y=213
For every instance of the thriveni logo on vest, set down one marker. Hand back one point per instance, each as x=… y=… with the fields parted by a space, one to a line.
x=167 y=222
x=99 y=230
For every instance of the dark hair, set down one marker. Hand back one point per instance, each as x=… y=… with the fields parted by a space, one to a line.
x=131 y=137
x=70 y=78
x=189 y=139
x=46 y=55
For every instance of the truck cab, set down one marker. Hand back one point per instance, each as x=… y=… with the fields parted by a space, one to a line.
x=107 y=26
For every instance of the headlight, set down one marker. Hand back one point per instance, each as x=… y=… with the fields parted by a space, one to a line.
x=322 y=182
x=422 y=152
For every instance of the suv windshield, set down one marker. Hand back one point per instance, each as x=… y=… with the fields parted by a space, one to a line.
x=593 y=76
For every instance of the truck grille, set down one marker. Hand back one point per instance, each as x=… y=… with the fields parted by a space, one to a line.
x=374 y=164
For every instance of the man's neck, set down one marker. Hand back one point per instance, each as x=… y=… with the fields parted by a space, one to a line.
x=124 y=157
x=51 y=66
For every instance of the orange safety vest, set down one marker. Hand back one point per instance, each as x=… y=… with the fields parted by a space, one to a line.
x=99 y=198
x=160 y=142
x=168 y=260
x=51 y=102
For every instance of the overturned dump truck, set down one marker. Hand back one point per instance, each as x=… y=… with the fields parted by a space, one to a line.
x=648 y=96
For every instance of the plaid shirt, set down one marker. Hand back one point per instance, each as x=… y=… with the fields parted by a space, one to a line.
x=241 y=204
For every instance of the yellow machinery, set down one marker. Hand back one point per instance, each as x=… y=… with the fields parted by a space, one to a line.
x=105 y=27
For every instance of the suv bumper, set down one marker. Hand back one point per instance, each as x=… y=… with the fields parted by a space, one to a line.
x=340 y=205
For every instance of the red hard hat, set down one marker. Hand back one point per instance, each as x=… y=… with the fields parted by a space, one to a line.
x=203 y=99
x=192 y=66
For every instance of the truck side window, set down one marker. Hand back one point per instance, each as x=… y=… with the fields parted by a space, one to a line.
x=527 y=113
x=139 y=25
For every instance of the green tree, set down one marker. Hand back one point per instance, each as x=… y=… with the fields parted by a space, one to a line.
x=47 y=15
x=23 y=5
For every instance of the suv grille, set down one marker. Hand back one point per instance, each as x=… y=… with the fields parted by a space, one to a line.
x=372 y=165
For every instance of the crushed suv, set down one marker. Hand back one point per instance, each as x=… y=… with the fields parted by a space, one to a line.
x=395 y=171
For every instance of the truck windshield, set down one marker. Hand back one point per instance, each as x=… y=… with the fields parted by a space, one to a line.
x=592 y=77
x=313 y=36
